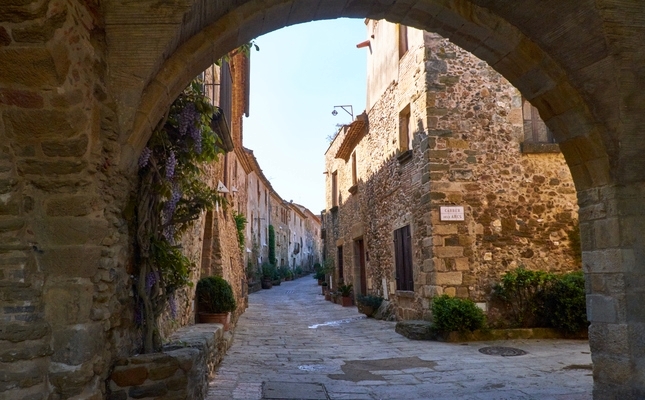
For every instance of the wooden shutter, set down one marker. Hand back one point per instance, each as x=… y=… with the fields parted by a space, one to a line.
x=340 y=263
x=403 y=258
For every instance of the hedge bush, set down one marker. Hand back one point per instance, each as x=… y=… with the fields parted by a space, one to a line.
x=215 y=295
x=453 y=314
x=565 y=304
x=539 y=299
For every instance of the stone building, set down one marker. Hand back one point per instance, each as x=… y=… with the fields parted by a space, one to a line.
x=443 y=130
x=306 y=246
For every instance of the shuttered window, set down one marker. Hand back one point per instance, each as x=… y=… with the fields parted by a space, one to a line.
x=403 y=259
x=404 y=130
x=340 y=263
x=535 y=130
x=334 y=189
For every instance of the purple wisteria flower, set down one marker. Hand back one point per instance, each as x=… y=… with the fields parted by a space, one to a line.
x=196 y=135
x=145 y=157
x=187 y=118
x=171 y=204
x=171 y=163
x=169 y=233
x=151 y=279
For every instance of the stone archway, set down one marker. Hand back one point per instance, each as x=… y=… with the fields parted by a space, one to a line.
x=83 y=86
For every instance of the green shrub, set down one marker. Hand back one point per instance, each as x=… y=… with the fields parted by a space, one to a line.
x=345 y=290
x=215 y=295
x=268 y=270
x=521 y=290
x=369 y=300
x=251 y=271
x=453 y=314
x=272 y=258
x=565 y=305
x=298 y=270
x=540 y=299
x=240 y=225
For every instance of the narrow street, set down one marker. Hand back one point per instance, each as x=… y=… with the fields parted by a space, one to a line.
x=292 y=344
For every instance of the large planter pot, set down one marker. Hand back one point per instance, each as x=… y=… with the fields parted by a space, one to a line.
x=346 y=301
x=367 y=310
x=320 y=281
x=267 y=284
x=327 y=296
x=277 y=282
x=208 y=318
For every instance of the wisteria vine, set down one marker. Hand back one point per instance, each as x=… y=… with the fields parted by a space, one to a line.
x=171 y=197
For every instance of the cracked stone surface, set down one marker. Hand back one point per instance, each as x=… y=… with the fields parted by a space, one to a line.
x=290 y=334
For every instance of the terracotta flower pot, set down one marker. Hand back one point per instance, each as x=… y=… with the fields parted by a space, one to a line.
x=209 y=318
x=346 y=301
x=267 y=284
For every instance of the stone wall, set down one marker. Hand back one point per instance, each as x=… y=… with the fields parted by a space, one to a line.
x=182 y=371
x=467 y=131
x=64 y=242
x=520 y=208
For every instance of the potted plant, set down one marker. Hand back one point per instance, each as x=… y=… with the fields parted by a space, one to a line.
x=345 y=293
x=267 y=276
x=320 y=277
x=325 y=288
x=277 y=276
x=368 y=304
x=289 y=275
x=215 y=300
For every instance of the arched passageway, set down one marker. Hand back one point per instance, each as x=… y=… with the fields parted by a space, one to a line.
x=83 y=85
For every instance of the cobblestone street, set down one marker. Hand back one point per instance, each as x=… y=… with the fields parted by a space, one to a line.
x=290 y=336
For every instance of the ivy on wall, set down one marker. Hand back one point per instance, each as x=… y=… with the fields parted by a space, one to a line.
x=272 y=258
x=240 y=225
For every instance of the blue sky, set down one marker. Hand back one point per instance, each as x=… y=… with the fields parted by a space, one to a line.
x=298 y=76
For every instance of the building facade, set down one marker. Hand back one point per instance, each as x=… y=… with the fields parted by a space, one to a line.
x=446 y=182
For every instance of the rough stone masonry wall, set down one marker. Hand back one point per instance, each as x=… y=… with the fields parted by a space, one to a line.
x=468 y=127
x=520 y=208
x=65 y=248
x=64 y=243
x=391 y=194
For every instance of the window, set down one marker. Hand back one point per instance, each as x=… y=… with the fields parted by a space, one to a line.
x=334 y=189
x=535 y=130
x=405 y=131
x=340 y=262
x=403 y=259
x=354 y=175
x=403 y=40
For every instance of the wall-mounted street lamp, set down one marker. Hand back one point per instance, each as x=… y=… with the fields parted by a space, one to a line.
x=347 y=108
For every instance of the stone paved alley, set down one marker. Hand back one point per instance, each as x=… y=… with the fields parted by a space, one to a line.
x=290 y=336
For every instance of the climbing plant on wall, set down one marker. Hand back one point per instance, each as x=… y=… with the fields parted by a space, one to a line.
x=170 y=198
x=272 y=258
x=240 y=225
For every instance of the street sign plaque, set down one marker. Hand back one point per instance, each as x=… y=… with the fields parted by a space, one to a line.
x=451 y=213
